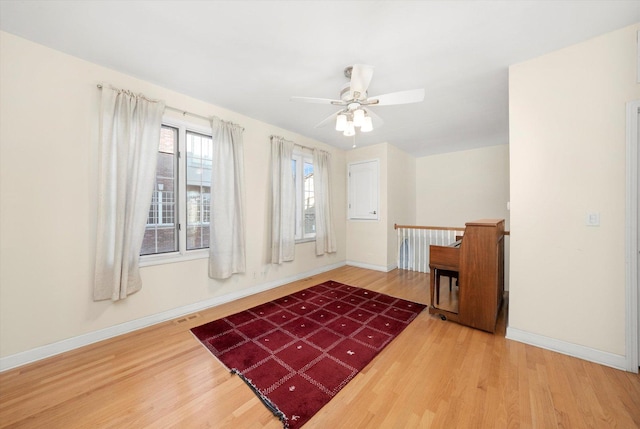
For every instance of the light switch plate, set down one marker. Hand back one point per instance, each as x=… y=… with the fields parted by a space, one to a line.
x=593 y=219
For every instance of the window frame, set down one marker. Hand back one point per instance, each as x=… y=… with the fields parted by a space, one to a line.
x=157 y=212
x=182 y=254
x=301 y=158
x=202 y=209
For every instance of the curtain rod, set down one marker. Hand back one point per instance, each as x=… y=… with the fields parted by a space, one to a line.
x=298 y=144
x=184 y=113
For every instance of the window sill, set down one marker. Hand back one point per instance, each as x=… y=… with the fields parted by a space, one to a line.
x=305 y=240
x=170 y=258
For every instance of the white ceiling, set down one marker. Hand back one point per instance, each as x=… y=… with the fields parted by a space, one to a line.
x=251 y=56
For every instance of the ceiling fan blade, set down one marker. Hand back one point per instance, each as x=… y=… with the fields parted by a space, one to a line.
x=360 y=79
x=400 y=97
x=328 y=119
x=317 y=100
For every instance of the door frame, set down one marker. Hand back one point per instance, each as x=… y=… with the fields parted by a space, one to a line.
x=631 y=239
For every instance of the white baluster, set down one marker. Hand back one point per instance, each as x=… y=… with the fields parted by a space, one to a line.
x=416 y=249
x=398 y=247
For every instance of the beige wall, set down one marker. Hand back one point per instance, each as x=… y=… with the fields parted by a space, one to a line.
x=567 y=149
x=401 y=179
x=459 y=187
x=48 y=159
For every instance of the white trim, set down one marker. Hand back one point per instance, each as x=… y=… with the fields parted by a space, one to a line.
x=575 y=350
x=371 y=266
x=173 y=257
x=631 y=239
x=29 y=356
x=301 y=159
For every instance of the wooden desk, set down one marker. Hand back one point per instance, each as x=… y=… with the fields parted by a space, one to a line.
x=479 y=260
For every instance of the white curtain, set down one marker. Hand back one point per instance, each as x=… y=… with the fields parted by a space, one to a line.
x=129 y=137
x=325 y=235
x=283 y=203
x=226 y=234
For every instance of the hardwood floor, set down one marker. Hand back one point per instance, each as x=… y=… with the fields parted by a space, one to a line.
x=435 y=374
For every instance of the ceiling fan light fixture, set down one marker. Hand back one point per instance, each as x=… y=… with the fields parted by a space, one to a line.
x=350 y=130
x=358 y=118
x=367 y=124
x=341 y=122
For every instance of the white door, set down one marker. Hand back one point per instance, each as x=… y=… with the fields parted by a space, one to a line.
x=363 y=190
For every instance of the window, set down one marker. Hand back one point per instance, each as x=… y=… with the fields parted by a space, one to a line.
x=179 y=213
x=302 y=166
x=161 y=233
x=199 y=151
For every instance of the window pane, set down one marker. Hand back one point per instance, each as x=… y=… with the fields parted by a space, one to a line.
x=161 y=233
x=309 y=206
x=199 y=150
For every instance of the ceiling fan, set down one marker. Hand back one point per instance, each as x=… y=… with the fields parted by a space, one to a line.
x=356 y=104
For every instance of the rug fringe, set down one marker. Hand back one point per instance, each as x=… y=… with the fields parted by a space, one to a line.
x=266 y=401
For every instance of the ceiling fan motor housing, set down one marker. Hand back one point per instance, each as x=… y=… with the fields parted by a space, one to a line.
x=345 y=93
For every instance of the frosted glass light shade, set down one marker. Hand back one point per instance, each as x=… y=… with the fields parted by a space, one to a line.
x=358 y=118
x=341 y=122
x=350 y=130
x=367 y=125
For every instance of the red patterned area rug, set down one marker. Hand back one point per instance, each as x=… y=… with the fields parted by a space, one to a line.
x=298 y=351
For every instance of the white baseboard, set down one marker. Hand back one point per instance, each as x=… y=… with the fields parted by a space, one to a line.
x=38 y=353
x=574 y=350
x=371 y=266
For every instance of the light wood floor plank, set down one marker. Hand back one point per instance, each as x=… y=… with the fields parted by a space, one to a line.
x=436 y=374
